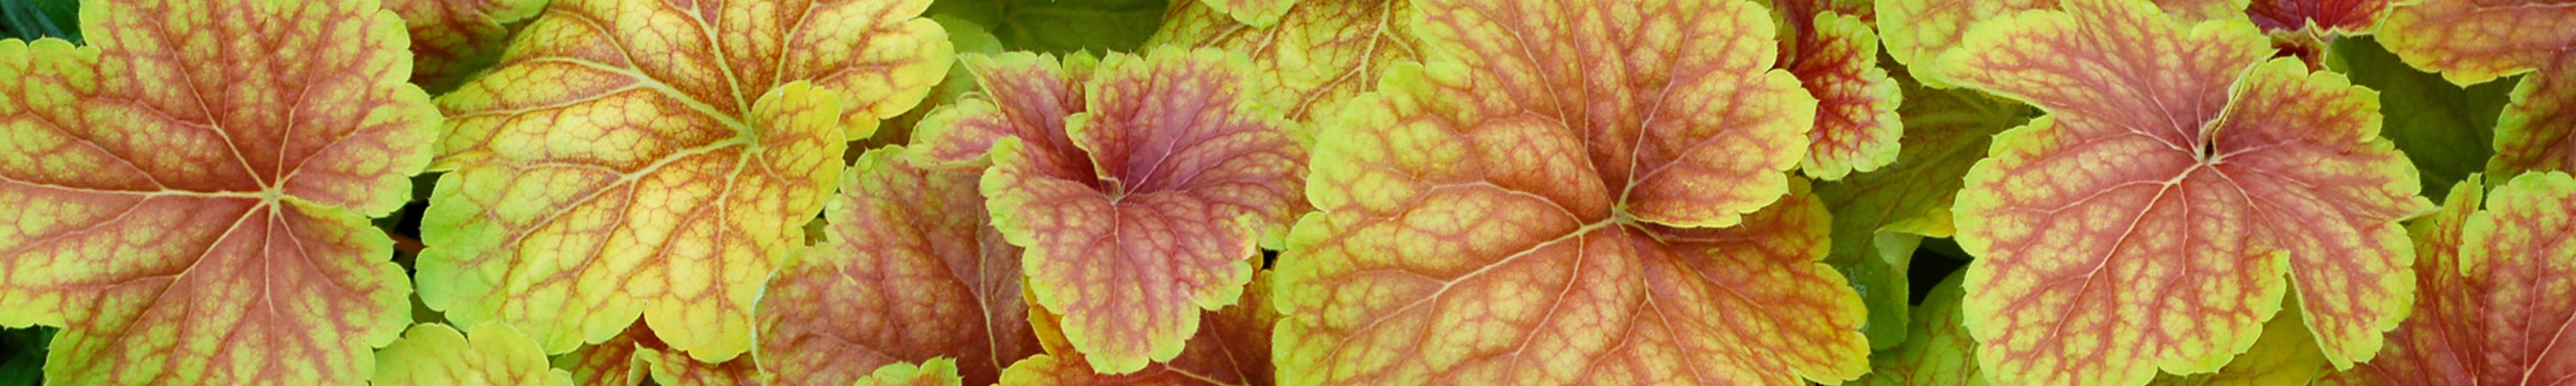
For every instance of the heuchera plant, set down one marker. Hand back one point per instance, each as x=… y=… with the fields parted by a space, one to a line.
x=1299 y=192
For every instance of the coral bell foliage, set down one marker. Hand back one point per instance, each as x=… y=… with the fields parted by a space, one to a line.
x=1288 y=192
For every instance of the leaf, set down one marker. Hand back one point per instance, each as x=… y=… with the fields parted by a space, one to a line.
x=1062 y=26
x=1938 y=351
x=1144 y=207
x=1876 y=214
x=451 y=39
x=2340 y=17
x=1321 y=53
x=1835 y=56
x=637 y=353
x=435 y=354
x=908 y=271
x=1232 y=347
x=1944 y=353
x=2183 y=186
x=2494 y=291
x=2461 y=40
x=2444 y=128
x=1557 y=198
x=620 y=164
x=2538 y=130
x=181 y=219
x=935 y=372
x=1918 y=32
x=1257 y=13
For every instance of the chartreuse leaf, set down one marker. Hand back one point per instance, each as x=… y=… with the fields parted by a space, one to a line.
x=187 y=198
x=2444 y=128
x=1835 y=56
x=2496 y=288
x=1139 y=198
x=907 y=271
x=452 y=39
x=1321 y=53
x=1542 y=203
x=935 y=372
x=622 y=163
x=637 y=354
x=1232 y=347
x=1942 y=352
x=1880 y=216
x=2148 y=221
x=435 y=354
x=2464 y=42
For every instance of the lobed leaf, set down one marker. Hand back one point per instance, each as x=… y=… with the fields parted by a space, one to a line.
x=658 y=159
x=2496 y=284
x=908 y=272
x=1835 y=56
x=2471 y=42
x=188 y=195
x=2537 y=132
x=1541 y=203
x=637 y=353
x=1138 y=207
x=2183 y=188
x=1918 y=32
x=1944 y=353
x=1063 y=26
x=435 y=354
x=452 y=39
x=1322 y=52
x=2320 y=16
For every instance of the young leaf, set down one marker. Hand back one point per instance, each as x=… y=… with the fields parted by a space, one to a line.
x=2146 y=223
x=1321 y=53
x=1232 y=347
x=621 y=163
x=1144 y=208
x=2496 y=285
x=935 y=372
x=188 y=197
x=451 y=39
x=907 y=271
x=1538 y=205
x=1880 y=216
x=2342 y=17
x=434 y=354
x=1835 y=56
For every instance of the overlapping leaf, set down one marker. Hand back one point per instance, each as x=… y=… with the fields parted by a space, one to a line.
x=1834 y=53
x=2183 y=187
x=1062 y=26
x=2497 y=285
x=636 y=354
x=451 y=39
x=1942 y=352
x=435 y=354
x=908 y=271
x=1321 y=53
x=188 y=196
x=1880 y=216
x=658 y=159
x=2472 y=42
x=1540 y=203
x=1232 y=347
x=1138 y=187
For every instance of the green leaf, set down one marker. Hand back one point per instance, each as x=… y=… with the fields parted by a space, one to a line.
x=1061 y=26
x=2443 y=127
